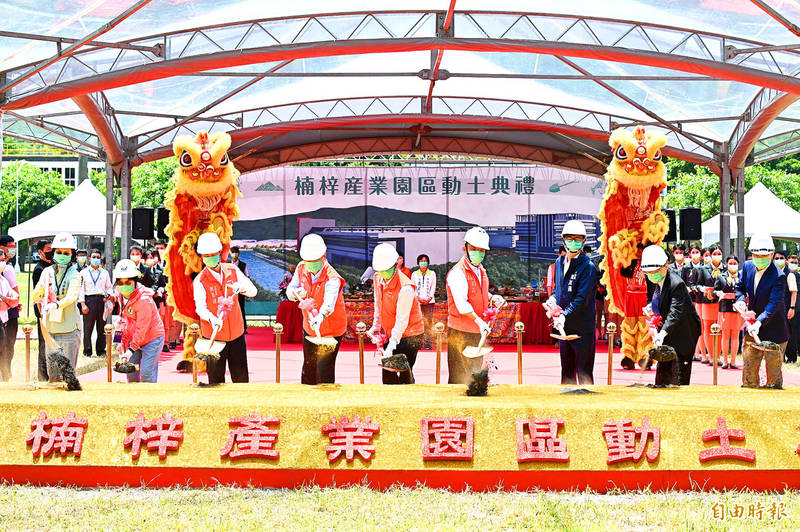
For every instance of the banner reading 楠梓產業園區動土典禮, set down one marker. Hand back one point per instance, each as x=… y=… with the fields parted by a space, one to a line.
x=420 y=209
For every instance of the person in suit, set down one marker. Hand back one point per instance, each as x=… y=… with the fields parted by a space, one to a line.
x=794 y=322
x=44 y=248
x=695 y=278
x=730 y=320
x=761 y=289
x=575 y=282
x=145 y=275
x=242 y=265
x=680 y=327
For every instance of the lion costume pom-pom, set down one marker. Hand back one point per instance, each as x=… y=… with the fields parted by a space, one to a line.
x=631 y=219
x=203 y=199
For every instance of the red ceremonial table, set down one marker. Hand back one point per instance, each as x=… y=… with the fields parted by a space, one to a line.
x=532 y=314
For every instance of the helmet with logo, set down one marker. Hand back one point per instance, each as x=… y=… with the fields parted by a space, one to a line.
x=478 y=237
x=64 y=241
x=125 y=269
x=384 y=257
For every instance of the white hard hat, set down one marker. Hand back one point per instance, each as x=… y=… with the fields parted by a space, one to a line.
x=65 y=241
x=573 y=227
x=384 y=256
x=208 y=243
x=759 y=243
x=312 y=247
x=653 y=258
x=125 y=269
x=478 y=237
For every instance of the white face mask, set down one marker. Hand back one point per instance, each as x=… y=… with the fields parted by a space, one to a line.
x=733 y=268
x=2 y=264
x=792 y=266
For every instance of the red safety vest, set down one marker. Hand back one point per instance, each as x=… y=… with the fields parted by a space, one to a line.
x=233 y=324
x=336 y=323
x=477 y=296
x=386 y=299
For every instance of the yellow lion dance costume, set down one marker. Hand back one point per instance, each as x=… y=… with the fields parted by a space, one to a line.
x=631 y=219
x=204 y=199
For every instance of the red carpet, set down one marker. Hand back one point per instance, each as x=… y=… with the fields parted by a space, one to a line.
x=540 y=365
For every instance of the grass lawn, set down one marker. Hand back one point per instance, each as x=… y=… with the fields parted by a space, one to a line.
x=359 y=508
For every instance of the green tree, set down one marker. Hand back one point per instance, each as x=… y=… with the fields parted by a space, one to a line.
x=38 y=191
x=150 y=182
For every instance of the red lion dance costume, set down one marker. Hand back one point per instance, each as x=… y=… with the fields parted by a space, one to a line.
x=631 y=219
x=204 y=199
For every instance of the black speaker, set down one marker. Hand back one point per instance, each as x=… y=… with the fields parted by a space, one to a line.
x=672 y=234
x=142 y=223
x=162 y=221
x=690 y=224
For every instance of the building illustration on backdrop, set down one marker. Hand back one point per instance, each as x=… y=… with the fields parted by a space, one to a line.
x=538 y=236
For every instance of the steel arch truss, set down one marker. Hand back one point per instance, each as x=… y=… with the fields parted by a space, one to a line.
x=408 y=145
x=267 y=40
x=581 y=123
x=51 y=134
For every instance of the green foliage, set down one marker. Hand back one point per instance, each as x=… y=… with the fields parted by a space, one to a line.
x=38 y=191
x=150 y=182
x=698 y=187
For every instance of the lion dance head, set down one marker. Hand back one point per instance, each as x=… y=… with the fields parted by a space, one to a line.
x=204 y=168
x=637 y=162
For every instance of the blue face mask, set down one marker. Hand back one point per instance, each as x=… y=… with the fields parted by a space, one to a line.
x=95 y=262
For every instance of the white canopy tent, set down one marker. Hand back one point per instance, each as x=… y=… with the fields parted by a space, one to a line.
x=764 y=213
x=82 y=213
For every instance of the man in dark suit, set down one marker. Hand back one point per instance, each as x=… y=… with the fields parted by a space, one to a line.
x=761 y=289
x=145 y=275
x=680 y=325
x=242 y=265
x=575 y=281
x=45 y=249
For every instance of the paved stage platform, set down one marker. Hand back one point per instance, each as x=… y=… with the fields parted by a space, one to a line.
x=541 y=365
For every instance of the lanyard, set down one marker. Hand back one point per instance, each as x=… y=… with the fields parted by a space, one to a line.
x=94 y=281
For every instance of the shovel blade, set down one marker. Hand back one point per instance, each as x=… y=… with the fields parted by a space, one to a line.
x=564 y=336
x=208 y=347
x=475 y=352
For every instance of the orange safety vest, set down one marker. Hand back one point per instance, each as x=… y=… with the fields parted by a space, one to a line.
x=233 y=324
x=477 y=296
x=336 y=323
x=386 y=299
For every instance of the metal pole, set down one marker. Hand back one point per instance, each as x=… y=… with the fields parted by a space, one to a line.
x=611 y=329
x=278 y=330
x=725 y=208
x=125 y=187
x=109 y=329
x=438 y=330
x=109 y=243
x=740 y=236
x=519 y=328
x=361 y=328
x=715 y=332
x=27 y=330
x=194 y=330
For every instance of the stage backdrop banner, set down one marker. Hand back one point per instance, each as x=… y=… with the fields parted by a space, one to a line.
x=419 y=209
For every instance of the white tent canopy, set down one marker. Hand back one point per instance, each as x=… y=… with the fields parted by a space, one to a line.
x=82 y=213
x=764 y=213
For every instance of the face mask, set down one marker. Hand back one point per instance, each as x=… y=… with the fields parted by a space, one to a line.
x=423 y=264
x=150 y=262
x=656 y=277
x=716 y=259
x=212 y=261
x=792 y=266
x=388 y=274
x=761 y=262
x=11 y=253
x=126 y=289
x=695 y=256
x=48 y=255
x=573 y=245
x=2 y=265
x=61 y=259
x=678 y=257
x=95 y=262
x=81 y=260
x=780 y=263
x=136 y=258
x=733 y=268
x=707 y=259
x=234 y=255
x=476 y=257
x=314 y=266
